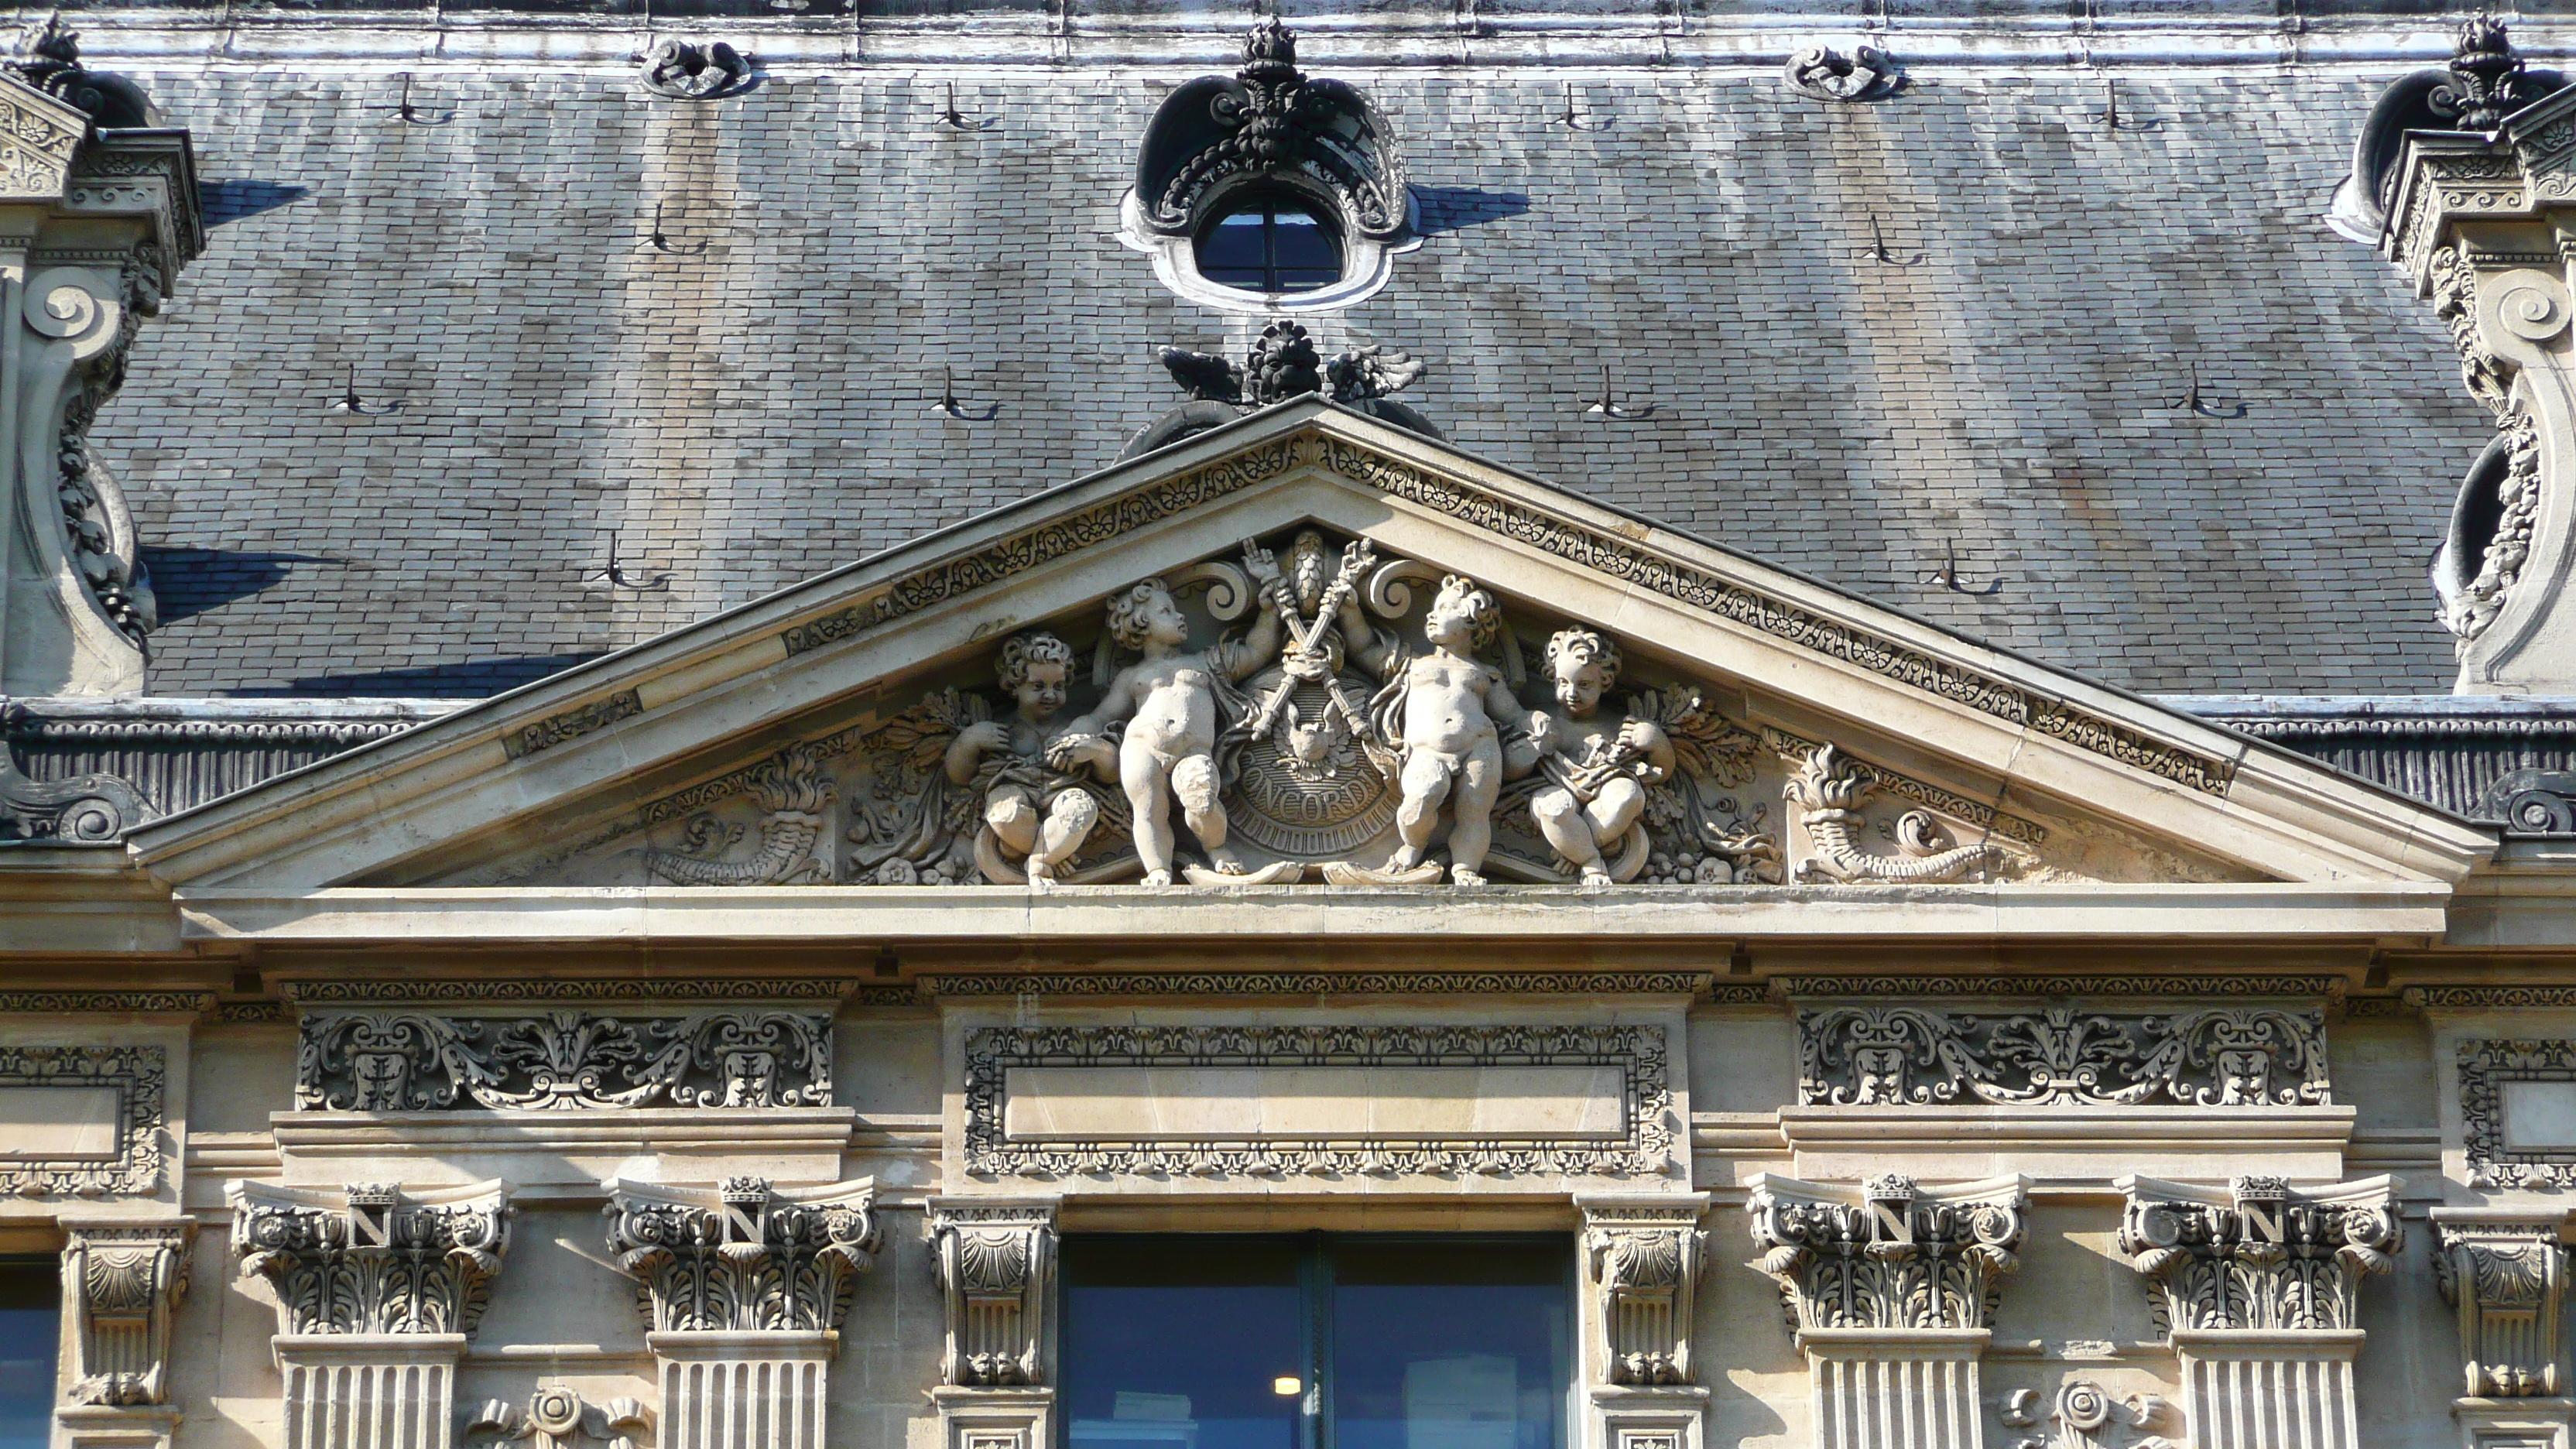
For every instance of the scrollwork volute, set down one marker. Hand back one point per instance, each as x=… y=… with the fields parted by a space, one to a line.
x=378 y=1260
x=2506 y=1277
x=2239 y=1056
x=1888 y=1253
x=1643 y=1262
x=562 y=1060
x=744 y=1257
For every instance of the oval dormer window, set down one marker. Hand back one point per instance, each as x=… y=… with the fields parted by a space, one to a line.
x=1270 y=242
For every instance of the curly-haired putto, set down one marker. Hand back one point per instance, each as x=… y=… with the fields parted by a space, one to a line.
x=1127 y=612
x=1022 y=650
x=1571 y=649
x=1484 y=611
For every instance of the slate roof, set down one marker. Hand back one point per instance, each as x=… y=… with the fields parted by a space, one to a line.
x=758 y=413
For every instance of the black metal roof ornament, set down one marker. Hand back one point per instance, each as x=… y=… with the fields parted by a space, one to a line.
x=1867 y=74
x=47 y=57
x=1282 y=363
x=1272 y=121
x=2487 y=80
x=689 y=70
x=2484 y=82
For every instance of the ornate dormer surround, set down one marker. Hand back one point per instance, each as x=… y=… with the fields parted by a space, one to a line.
x=1270 y=125
x=2482 y=220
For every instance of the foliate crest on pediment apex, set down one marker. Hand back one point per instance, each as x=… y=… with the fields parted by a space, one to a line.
x=1306 y=709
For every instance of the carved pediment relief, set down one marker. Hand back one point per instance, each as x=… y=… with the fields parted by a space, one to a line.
x=1301 y=649
x=1306 y=708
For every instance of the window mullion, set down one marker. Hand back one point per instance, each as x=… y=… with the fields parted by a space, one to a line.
x=1319 y=1343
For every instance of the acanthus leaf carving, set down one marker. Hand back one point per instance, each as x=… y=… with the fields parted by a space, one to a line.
x=745 y=1257
x=1828 y=788
x=377 y=1260
x=995 y=1264
x=2258 y=1255
x=565 y=1059
x=1888 y=1253
x=2234 y=1056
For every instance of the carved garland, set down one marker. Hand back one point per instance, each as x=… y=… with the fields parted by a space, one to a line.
x=1605 y=553
x=991 y=1053
x=2059 y=1056
x=2485 y=1068
x=562 y=1060
x=136 y=1074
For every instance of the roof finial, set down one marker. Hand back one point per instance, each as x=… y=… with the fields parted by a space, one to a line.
x=2487 y=80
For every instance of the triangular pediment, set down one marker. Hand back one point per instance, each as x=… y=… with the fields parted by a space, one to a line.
x=861 y=730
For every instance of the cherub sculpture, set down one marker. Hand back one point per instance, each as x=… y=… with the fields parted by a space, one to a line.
x=1039 y=812
x=1443 y=715
x=1599 y=767
x=1174 y=705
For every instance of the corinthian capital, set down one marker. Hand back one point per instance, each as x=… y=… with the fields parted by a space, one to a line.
x=1642 y=1256
x=372 y=1259
x=1888 y=1253
x=2256 y=1255
x=746 y=1256
x=2506 y=1274
x=994 y=1261
x=125 y=1281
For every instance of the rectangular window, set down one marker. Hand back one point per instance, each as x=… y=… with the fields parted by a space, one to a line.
x=31 y=1314
x=1317 y=1342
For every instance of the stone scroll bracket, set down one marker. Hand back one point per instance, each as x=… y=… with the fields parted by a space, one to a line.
x=743 y=1289
x=1891 y=1289
x=1643 y=1257
x=2258 y=1287
x=2504 y=1271
x=378 y=1290
x=123 y=1281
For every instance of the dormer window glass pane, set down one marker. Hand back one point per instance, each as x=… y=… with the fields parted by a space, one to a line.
x=1270 y=243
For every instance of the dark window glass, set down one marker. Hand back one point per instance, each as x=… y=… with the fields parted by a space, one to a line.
x=1183 y=1343
x=1360 y=1342
x=1450 y=1345
x=31 y=1306
x=1271 y=243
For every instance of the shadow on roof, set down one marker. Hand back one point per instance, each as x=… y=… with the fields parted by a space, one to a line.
x=191 y=581
x=466 y=679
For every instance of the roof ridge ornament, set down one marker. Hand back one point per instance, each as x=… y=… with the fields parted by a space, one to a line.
x=1282 y=363
x=1867 y=74
x=2488 y=80
x=47 y=57
x=1271 y=119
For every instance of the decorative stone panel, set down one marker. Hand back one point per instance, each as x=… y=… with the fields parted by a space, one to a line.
x=2232 y=1056
x=564 y=1060
x=2496 y=1078
x=2258 y=1288
x=2504 y=1271
x=1610 y=1078
x=743 y=1290
x=1891 y=1289
x=377 y=1293
x=121 y=1091
x=1642 y=1259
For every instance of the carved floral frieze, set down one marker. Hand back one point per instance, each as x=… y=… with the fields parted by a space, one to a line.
x=1888 y=1253
x=2259 y=1255
x=1645 y=1147
x=745 y=1257
x=1305 y=710
x=565 y=1059
x=376 y=1260
x=2233 y=1056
